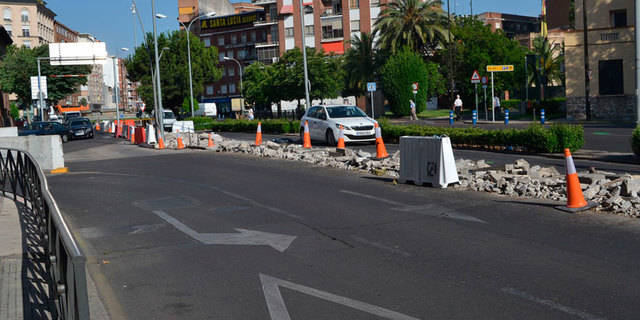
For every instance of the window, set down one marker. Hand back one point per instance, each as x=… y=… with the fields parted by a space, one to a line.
x=355 y=25
x=232 y=88
x=253 y=36
x=243 y=38
x=610 y=76
x=8 y=28
x=618 y=18
x=308 y=30
x=232 y=71
x=209 y=90
x=332 y=28
x=207 y=42
x=274 y=33
x=308 y=9
x=224 y=72
x=7 y=14
x=25 y=31
x=266 y=55
x=354 y=4
x=234 y=38
x=221 y=56
x=230 y=53
x=273 y=13
x=242 y=54
x=288 y=32
x=24 y=15
x=375 y=3
x=27 y=44
x=221 y=41
x=223 y=89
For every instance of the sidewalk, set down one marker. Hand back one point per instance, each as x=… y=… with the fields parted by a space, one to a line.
x=24 y=292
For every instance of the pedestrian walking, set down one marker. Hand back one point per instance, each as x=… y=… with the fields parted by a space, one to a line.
x=413 y=115
x=250 y=114
x=496 y=103
x=457 y=108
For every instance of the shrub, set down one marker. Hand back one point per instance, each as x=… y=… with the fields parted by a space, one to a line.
x=15 y=113
x=568 y=136
x=200 y=123
x=635 y=141
x=513 y=104
x=268 y=126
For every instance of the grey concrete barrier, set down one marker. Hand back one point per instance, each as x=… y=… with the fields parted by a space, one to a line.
x=47 y=150
x=9 y=132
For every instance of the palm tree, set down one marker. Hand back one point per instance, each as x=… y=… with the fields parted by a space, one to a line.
x=547 y=67
x=412 y=23
x=361 y=63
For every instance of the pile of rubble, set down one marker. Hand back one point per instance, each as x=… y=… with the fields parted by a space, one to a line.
x=612 y=192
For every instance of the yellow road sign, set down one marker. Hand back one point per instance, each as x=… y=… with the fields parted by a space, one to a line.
x=500 y=68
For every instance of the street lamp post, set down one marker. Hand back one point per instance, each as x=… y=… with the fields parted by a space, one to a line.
x=188 y=28
x=304 y=56
x=159 y=88
x=239 y=68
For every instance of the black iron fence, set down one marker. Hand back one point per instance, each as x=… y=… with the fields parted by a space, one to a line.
x=21 y=177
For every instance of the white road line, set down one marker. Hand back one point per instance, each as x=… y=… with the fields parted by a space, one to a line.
x=391 y=202
x=381 y=246
x=551 y=304
x=278 y=309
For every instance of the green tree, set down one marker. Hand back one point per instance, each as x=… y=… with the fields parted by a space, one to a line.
x=174 y=72
x=547 y=69
x=413 y=23
x=400 y=72
x=260 y=85
x=83 y=102
x=13 y=109
x=186 y=105
x=19 y=65
x=361 y=64
x=476 y=46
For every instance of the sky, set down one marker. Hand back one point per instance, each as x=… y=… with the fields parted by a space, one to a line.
x=111 y=21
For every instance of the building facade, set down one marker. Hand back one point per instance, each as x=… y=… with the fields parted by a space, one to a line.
x=63 y=33
x=611 y=71
x=29 y=22
x=511 y=24
x=6 y=121
x=93 y=91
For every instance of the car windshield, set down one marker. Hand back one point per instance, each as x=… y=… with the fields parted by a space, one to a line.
x=345 y=112
x=169 y=115
x=79 y=123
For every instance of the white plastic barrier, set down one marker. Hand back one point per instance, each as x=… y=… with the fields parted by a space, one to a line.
x=183 y=127
x=151 y=135
x=427 y=160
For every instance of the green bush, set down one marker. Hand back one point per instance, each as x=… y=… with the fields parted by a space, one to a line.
x=535 y=138
x=635 y=141
x=15 y=113
x=231 y=125
x=513 y=104
x=201 y=123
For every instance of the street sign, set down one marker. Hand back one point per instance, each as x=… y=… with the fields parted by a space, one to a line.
x=415 y=86
x=475 y=77
x=371 y=86
x=484 y=86
x=142 y=106
x=34 y=87
x=484 y=80
x=500 y=68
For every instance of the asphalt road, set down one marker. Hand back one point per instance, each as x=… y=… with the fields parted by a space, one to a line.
x=203 y=235
x=495 y=158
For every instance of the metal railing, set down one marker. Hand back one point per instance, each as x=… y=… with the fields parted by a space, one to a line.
x=21 y=176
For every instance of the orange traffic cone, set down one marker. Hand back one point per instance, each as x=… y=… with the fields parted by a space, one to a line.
x=211 y=144
x=340 y=145
x=575 y=198
x=180 y=143
x=306 y=139
x=259 y=134
x=98 y=126
x=381 y=151
x=132 y=133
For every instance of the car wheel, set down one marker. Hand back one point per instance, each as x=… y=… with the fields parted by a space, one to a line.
x=65 y=138
x=330 y=138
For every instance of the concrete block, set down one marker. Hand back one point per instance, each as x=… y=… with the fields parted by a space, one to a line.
x=9 y=132
x=47 y=150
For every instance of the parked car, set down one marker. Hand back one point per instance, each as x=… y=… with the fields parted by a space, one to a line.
x=81 y=127
x=325 y=121
x=46 y=128
x=71 y=115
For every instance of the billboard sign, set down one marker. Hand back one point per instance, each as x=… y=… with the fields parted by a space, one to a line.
x=77 y=53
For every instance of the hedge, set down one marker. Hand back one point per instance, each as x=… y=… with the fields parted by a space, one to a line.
x=635 y=141
x=533 y=139
x=231 y=125
x=513 y=104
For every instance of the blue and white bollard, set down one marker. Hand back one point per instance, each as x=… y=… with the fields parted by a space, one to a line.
x=506 y=117
x=474 y=117
x=542 y=116
x=450 y=117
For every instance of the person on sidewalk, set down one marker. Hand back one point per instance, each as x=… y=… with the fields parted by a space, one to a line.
x=413 y=115
x=457 y=108
x=496 y=103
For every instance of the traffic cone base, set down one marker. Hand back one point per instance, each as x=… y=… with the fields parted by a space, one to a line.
x=341 y=139
x=575 y=198
x=180 y=143
x=306 y=138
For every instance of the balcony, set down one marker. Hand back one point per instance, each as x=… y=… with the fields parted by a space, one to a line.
x=331 y=12
x=261 y=2
x=264 y=22
x=267 y=44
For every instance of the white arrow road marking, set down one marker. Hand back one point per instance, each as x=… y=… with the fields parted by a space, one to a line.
x=280 y=242
x=278 y=309
x=425 y=210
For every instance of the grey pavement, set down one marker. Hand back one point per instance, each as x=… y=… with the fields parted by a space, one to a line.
x=204 y=235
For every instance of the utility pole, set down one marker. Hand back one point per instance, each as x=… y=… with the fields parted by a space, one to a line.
x=304 y=57
x=159 y=110
x=450 y=53
x=586 y=59
x=471 y=8
x=637 y=62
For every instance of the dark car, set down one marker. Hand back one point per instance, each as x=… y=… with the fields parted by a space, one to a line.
x=46 y=128
x=81 y=127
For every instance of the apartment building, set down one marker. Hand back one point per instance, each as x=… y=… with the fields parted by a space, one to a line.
x=93 y=91
x=63 y=33
x=611 y=71
x=511 y=24
x=29 y=22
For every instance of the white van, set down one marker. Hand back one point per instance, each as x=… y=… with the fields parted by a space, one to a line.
x=168 y=119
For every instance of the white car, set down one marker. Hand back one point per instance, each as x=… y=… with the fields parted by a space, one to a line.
x=325 y=121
